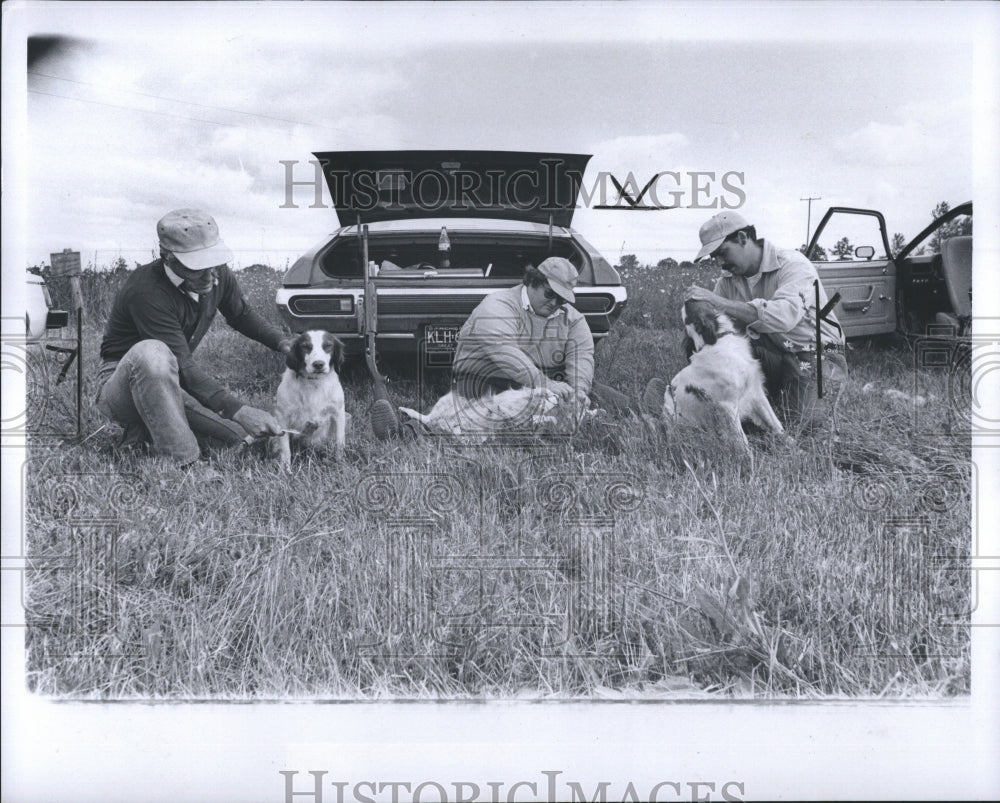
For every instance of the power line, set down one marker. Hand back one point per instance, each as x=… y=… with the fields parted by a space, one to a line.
x=809 y=216
x=183 y=116
x=132 y=108
x=173 y=100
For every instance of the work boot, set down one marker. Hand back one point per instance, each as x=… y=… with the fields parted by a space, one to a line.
x=136 y=438
x=607 y=398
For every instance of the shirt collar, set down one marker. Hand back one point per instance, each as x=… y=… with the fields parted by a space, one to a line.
x=177 y=281
x=769 y=257
x=526 y=304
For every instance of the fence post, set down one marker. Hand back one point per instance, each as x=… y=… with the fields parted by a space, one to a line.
x=67 y=264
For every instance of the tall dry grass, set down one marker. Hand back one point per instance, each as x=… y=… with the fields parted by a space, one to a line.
x=624 y=561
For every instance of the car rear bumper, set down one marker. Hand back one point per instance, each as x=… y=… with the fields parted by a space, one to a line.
x=403 y=313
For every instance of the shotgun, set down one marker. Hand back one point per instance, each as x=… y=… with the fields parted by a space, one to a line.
x=382 y=414
x=821 y=315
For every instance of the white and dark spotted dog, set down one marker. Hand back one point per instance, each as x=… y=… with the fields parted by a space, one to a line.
x=520 y=409
x=723 y=384
x=310 y=398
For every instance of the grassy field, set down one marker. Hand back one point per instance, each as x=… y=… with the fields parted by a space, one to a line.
x=620 y=562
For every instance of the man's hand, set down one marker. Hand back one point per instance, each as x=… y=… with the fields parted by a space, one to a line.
x=258 y=423
x=562 y=390
x=285 y=346
x=741 y=312
x=696 y=293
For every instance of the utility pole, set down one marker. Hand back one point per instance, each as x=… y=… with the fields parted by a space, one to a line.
x=809 y=217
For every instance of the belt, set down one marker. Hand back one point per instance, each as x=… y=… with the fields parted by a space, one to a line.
x=808 y=354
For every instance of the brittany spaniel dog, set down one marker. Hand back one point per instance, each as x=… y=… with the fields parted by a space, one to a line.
x=310 y=399
x=723 y=384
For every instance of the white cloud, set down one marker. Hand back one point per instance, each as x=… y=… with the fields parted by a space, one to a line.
x=641 y=153
x=925 y=130
x=907 y=143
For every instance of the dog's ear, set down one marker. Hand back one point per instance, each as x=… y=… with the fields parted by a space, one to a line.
x=705 y=324
x=693 y=314
x=688 y=345
x=337 y=354
x=294 y=358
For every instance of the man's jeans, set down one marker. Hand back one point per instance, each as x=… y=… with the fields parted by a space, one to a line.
x=144 y=388
x=790 y=379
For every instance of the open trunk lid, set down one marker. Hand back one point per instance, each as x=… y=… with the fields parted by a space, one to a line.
x=402 y=185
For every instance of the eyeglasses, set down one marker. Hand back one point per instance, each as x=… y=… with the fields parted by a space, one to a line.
x=184 y=271
x=552 y=295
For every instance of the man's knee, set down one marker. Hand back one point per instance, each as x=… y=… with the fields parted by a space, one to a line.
x=153 y=358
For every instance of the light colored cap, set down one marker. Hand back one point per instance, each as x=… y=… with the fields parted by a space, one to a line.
x=561 y=274
x=193 y=237
x=717 y=229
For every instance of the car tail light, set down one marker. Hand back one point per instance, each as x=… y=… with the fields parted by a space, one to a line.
x=321 y=305
x=593 y=303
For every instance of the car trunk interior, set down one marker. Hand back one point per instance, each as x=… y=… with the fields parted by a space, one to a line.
x=471 y=256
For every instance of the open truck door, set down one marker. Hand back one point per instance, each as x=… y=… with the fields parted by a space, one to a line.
x=850 y=250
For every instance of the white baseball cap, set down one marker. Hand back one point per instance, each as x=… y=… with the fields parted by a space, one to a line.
x=716 y=230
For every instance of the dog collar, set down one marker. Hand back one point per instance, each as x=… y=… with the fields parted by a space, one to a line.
x=721 y=334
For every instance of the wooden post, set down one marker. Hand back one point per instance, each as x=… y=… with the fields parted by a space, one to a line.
x=67 y=264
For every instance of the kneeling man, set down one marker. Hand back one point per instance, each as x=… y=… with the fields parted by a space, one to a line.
x=528 y=336
x=149 y=381
x=769 y=292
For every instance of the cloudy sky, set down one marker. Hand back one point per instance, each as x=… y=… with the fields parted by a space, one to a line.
x=129 y=110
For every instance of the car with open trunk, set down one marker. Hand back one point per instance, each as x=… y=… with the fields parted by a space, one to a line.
x=429 y=234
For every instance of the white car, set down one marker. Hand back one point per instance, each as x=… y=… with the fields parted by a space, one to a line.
x=39 y=315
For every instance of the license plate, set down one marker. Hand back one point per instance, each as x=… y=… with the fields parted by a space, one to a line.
x=440 y=339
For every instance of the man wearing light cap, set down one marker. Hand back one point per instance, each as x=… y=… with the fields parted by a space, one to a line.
x=528 y=336
x=149 y=381
x=769 y=291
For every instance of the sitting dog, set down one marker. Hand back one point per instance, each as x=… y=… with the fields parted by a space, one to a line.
x=723 y=384
x=517 y=410
x=310 y=398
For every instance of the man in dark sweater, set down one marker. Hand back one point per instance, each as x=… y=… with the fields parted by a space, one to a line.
x=149 y=381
